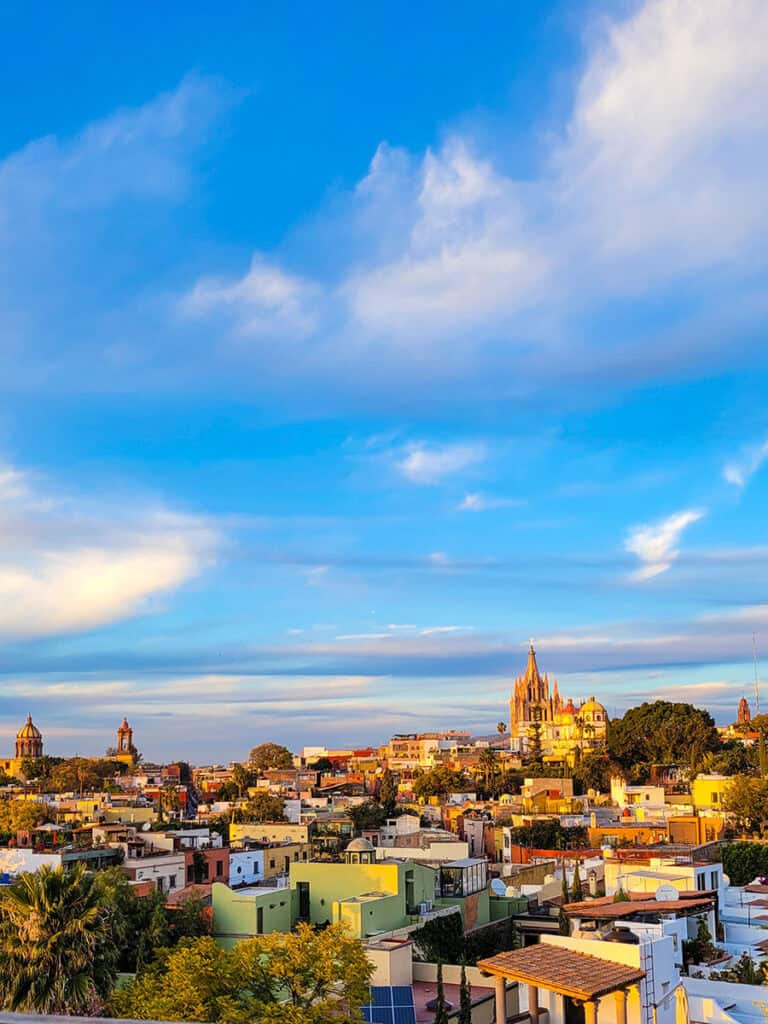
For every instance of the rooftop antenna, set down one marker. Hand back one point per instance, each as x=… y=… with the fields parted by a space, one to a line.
x=761 y=737
x=757 y=684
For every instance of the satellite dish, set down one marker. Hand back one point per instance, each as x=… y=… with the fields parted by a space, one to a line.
x=498 y=888
x=666 y=893
x=146 y=826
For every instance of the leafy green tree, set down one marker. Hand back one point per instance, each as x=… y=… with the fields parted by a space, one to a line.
x=322 y=764
x=305 y=977
x=312 y=968
x=262 y=806
x=744 y=972
x=21 y=815
x=548 y=834
x=746 y=798
x=243 y=779
x=465 y=995
x=701 y=949
x=594 y=771
x=661 y=733
x=369 y=814
x=534 y=749
x=576 y=891
x=194 y=981
x=441 y=1006
x=188 y=919
x=439 y=782
x=56 y=953
x=388 y=792
x=270 y=755
x=565 y=898
x=743 y=862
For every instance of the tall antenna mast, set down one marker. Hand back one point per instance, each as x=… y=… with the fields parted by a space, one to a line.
x=757 y=684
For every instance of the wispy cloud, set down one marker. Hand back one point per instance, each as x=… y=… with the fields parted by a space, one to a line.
x=266 y=301
x=469 y=274
x=431 y=464
x=655 y=544
x=475 y=502
x=739 y=471
x=69 y=564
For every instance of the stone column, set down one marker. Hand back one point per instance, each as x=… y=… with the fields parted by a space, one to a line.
x=501 y=1000
x=621 y=1006
x=533 y=1003
x=590 y=1012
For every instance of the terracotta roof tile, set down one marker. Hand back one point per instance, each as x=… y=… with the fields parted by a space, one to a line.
x=579 y=975
x=626 y=908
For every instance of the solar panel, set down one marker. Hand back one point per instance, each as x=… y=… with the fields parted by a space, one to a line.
x=381 y=995
x=390 y=1005
x=403 y=1015
x=402 y=995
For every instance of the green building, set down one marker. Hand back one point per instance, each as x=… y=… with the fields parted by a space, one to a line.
x=370 y=896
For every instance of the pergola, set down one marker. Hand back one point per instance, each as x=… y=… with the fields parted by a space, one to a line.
x=579 y=976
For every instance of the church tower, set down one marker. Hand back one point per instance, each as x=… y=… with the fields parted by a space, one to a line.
x=744 y=714
x=125 y=749
x=29 y=740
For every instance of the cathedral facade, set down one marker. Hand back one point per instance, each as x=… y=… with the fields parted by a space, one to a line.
x=564 y=728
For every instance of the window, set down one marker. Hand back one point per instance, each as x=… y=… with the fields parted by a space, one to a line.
x=171 y=881
x=161 y=885
x=701 y=881
x=272 y=862
x=260 y=920
x=713 y=880
x=715 y=797
x=219 y=868
x=190 y=874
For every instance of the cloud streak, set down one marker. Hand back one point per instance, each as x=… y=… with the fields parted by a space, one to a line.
x=740 y=471
x=424 y=464
x=655 y=544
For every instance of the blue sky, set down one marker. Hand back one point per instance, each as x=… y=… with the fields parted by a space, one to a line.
x=343 y=351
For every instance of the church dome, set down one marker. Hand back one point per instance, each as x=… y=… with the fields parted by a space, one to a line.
x=593 y=712
x=360 y=845
x=591 y=705
x=29 y=731
x=569 y=709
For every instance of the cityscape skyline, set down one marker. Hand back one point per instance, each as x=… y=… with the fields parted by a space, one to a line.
x=325 y=388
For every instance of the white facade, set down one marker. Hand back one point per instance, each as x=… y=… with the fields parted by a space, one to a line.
x=246 y=867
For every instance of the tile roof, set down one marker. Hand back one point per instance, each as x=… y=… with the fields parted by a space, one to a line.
x=563 y=970
x=593 y=909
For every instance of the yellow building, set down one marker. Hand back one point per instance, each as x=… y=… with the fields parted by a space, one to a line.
x=29 y=744
x=708 y=792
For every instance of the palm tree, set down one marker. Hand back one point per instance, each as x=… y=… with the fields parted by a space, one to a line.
x=487 y=761
x=56 y=948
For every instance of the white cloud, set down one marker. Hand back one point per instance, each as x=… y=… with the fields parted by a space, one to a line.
x=265 y=301
x=425 y=464
x=474 y=502
x=740 y=471
x=459 y=268
x=68 y=565
x=655 y=544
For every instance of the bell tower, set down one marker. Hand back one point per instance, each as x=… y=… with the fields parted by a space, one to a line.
x=125 y=748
